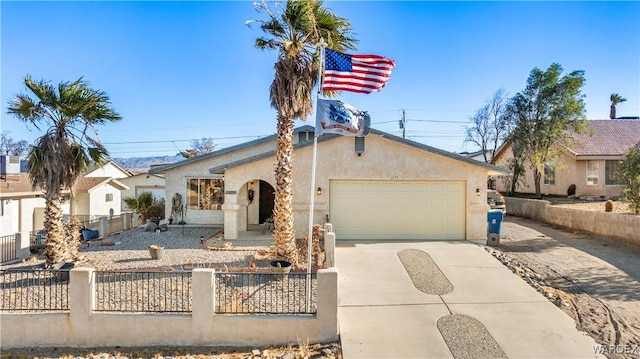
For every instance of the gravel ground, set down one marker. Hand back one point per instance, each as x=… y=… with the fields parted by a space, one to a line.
x=424 y=272
x=182 y=246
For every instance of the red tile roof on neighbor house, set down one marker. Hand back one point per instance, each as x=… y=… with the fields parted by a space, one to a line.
x=607 y=138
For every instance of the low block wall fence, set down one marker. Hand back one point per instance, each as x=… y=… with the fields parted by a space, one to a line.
x=618 y=226
x=92 y=308
x=83 y=307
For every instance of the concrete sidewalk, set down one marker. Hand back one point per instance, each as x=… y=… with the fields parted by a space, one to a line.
x=383 y=315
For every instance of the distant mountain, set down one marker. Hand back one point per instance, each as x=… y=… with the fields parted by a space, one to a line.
x=142 y=164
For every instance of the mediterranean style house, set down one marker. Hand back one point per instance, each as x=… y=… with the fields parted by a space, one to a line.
x=588 y=165
x=376 y=187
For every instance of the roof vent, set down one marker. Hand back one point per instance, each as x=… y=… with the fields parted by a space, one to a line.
x=359 y=145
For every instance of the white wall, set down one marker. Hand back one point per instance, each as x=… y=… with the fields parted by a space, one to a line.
x=9 y=217
x=97 y=200
x=108 y=170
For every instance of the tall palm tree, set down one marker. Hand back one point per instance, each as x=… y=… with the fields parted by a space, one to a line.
x=295 y=32
x=615 y=99
x=60 y=156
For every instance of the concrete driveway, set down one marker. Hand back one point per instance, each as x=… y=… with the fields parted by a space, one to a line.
x=383 y=315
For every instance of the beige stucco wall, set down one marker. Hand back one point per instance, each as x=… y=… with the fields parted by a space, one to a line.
x=176 y=181
x=83 y=327
x=568 y=171
x=610 y=225
x=382 y=160
x=143 y=182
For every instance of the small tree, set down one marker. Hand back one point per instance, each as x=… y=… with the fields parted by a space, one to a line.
x=489 y=125
x=544 y=113
x=199 y=147
x=10 y=147
x=630 y=172
x=146 y=205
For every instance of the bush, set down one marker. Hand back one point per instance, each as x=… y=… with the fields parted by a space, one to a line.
x=146 y=205
x=608 y=206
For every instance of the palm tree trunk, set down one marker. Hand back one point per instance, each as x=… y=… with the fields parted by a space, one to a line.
x=284 y=233
x=56 y=245
x=612 y=111
x=73 y=238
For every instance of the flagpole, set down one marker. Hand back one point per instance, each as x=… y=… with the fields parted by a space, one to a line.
x=312 y=191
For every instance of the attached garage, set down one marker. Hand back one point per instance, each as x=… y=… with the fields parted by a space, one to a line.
x=388 y=210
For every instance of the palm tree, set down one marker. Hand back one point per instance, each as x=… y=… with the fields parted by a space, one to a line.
x=60 y=156
x=295 y=33
x=615 y=99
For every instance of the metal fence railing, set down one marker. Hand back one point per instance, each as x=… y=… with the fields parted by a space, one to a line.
x=264 y=293
x=8 y=248
x=37 y=241
x=143 y=291
x=161 y=292
x=34 y=290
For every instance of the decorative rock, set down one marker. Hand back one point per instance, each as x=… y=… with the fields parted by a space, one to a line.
x=150 y=227
x=255 y=352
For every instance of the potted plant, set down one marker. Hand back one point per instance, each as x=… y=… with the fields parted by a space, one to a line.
x=156 y=251
x=281 y=268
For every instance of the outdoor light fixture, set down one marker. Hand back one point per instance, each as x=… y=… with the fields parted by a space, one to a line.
x=319 y=191
x=477 y=191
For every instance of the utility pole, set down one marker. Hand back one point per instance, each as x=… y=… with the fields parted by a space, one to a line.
x=403 y=125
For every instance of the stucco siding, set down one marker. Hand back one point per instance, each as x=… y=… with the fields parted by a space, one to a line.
x=569 y=170
x=176 y=182
x=382 y=160
x=99 y=206
x=107 y=170
x=143 y=182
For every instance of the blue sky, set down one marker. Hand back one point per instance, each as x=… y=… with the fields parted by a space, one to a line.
x=178 y=71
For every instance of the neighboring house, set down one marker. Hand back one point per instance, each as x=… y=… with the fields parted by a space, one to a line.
x=375 y=187
x=97 y=197
x=109 y=169
x=22 y=207
x=589 y=162
x=478 y=155
x=143 y=182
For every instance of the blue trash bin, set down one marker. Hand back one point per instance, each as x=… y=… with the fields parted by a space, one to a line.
x=494 y=217
x=494 y=228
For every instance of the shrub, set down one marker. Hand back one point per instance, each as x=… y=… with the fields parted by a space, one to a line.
x=608 y=206
x=146 y=205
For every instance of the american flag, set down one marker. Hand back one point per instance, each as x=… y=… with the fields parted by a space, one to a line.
x=355 y=73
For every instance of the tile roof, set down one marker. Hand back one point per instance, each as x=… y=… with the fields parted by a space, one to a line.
x=607 y=138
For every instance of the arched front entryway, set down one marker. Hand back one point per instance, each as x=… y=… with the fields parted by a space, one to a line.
x=260 y=200
x=267 y=197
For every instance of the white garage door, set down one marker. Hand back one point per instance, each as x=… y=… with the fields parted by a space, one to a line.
x=398 y=209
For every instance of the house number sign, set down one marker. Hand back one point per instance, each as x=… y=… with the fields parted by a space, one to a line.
x=230 y=192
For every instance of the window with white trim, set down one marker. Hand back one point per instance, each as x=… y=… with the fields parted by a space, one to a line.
x=205 y=193
x=593 y=170
x=549 y=174
x=108 y=197
x=612 y=175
